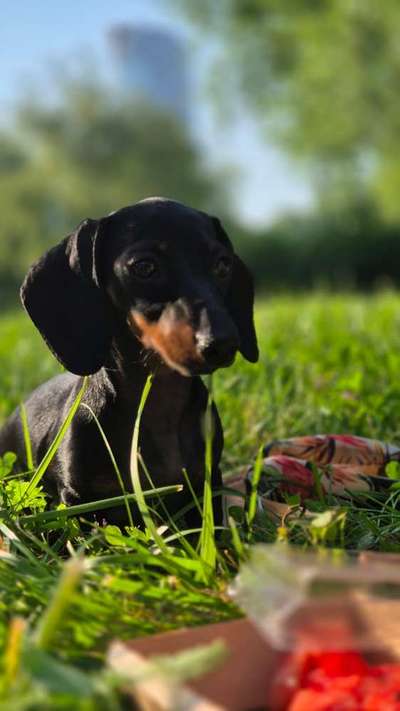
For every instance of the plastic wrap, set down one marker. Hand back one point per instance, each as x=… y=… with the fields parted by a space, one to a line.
x=321 y=600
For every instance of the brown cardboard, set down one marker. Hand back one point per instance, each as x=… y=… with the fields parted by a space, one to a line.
x=243 y=682
x=240 y=684
x=153 y=692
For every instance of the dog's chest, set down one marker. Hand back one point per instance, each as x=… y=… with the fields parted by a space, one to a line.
x=170 y=440
x=172 y=446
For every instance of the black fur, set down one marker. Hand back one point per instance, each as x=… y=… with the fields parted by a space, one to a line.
x=79 y=296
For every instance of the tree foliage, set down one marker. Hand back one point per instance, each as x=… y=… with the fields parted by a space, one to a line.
x=326 y=74
x=86 y=155
x=350 y=248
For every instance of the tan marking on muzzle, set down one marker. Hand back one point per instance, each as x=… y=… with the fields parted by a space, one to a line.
x=173 y=339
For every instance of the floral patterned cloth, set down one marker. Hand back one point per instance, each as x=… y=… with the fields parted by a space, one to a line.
x=338 y=464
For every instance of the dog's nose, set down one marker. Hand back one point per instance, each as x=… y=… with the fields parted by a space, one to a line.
x=220 y=351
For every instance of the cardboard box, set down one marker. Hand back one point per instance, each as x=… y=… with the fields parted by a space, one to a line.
x=239 y=684
x=243 y=682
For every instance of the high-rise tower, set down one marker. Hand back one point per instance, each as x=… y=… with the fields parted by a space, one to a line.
x=152 y=64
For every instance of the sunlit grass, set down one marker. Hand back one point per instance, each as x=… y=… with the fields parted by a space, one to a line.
x=328 y=364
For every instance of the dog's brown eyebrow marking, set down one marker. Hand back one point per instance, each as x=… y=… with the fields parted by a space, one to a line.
x=173 y=339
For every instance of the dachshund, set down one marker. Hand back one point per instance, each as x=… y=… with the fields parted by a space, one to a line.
x=151 y=288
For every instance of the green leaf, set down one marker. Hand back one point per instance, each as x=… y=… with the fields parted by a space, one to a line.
x=56 y=676
x=114 y=536
x=392 y=470
x=7 y=462
x=323 y=520
x=20 y=495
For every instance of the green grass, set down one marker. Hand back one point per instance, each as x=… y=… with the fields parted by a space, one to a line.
x=328 y=364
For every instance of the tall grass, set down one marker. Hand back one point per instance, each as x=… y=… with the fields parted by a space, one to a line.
x=208 y=550
x=51 y=452
x=328 y=364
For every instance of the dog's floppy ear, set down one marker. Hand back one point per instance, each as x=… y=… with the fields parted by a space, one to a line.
x=62 y=296
x=240 y=300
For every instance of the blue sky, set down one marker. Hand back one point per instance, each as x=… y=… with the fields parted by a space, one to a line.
x=36 y=34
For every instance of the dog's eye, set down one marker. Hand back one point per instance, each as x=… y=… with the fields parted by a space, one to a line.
x=143 y=268
x=222 y=267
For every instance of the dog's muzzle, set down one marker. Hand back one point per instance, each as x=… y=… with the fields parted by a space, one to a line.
x=183 y=348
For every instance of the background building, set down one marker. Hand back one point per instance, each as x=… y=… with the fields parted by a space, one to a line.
x=152 y=64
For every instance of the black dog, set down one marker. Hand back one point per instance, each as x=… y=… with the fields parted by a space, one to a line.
x=155 y=287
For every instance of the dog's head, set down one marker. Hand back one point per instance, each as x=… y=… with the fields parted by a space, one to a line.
x=169 y=271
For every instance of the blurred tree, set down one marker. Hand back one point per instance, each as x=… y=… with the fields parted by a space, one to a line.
x=348 y=248
x=326 y=73
x=86 y=155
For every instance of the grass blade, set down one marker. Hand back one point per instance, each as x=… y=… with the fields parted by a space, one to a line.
x=255 y=480
x=12 y=655
x=179 y=534
x=134 y=467
x=192 y=491
x=56 y=442
x=114 y=463
x=208 y=550
x=52 y=617
x=101 y=504
x=27 y=438
x=236 y=541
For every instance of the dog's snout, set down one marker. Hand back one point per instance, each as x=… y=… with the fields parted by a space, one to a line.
x=220 y=351
x=217 y=338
